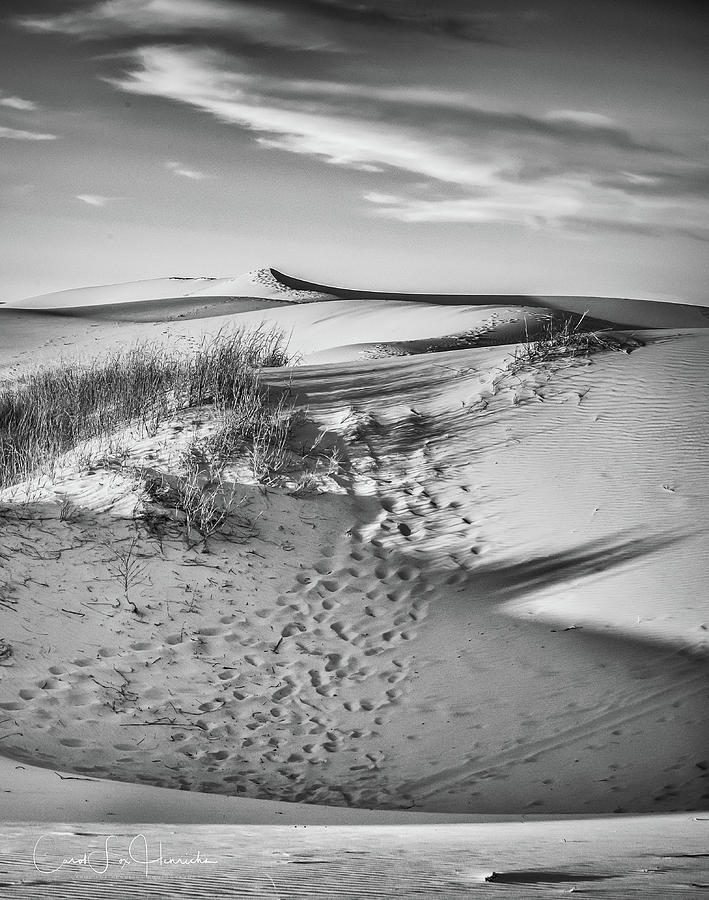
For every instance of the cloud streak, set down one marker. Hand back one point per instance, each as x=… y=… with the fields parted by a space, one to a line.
x=18 y=103
x=18 y=134
x=205 y=80
x=478 y=166
x=299 y=24
x=463 y=163
x=96 y=200
x=110 y=19
x=178 y=169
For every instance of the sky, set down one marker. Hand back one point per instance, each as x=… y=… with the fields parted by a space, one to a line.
x=502 y=146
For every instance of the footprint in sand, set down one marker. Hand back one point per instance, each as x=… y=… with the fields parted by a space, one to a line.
x=76 y=698
x=174 y=639
x=330 y=585
x=344 y=631
x=28 y=694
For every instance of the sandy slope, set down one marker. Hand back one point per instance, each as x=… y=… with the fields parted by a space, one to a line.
x=498 y=605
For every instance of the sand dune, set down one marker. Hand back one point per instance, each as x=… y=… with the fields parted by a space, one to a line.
x=494 y=604
x=260 y=283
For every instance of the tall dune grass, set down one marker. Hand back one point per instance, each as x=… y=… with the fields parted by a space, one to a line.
x=53 y=410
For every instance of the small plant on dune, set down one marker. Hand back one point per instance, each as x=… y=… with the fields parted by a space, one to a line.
x=127 y=568
x=68 y=511
x=565 y=340
x=210 y=507
x=259 y=429
x=269 y=441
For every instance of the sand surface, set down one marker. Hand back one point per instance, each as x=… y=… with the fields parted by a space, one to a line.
x=637 y=856
x=496 y=603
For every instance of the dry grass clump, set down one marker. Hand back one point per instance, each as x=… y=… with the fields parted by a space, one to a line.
x=565 y=340
x=258 y=430
x=211 y=509
x=53 y=410
x=205 y=501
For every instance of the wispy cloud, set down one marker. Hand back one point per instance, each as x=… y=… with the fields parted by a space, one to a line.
x=205 y=80
x=306 y=24
x=18 y=103
x=17 y=134
x=570 y=202
x=535 y=205
x=486 y=165
x=97 y=200
x=178 y=169
x=258 y=22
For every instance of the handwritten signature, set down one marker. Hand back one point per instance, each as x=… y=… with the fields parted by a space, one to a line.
x=47 y=861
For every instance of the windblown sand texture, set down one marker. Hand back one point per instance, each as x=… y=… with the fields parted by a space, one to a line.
x=494 y=603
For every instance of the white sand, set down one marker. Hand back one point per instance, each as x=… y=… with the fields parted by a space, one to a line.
x=498 y=606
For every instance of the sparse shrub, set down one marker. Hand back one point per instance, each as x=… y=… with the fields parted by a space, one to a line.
x=210 y=507
x=128 y=569
x=206 y=502
x=6 y=651
x=565 y=339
